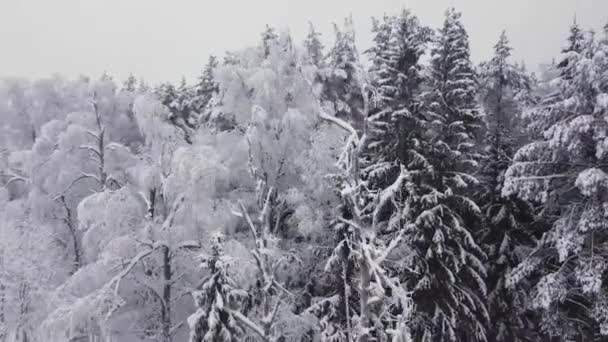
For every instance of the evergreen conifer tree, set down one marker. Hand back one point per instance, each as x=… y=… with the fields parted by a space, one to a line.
x=342 y=78
x=313 y=45
x=507 y=220
x=565 y=170
x=206 y=86
x=573 y=47
x=217 y=302
x=449 y=275
x=269 y=38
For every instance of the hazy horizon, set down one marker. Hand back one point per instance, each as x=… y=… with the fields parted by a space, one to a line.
x=162 y=42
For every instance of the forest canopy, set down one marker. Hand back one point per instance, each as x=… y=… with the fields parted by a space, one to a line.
x=301 y=192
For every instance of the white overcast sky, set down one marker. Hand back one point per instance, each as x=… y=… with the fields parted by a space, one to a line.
x=165 y=39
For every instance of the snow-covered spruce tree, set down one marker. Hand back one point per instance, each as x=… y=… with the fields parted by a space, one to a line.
x=179 y=101
x=573 y=47
x=566 y=170
x=206 y=87
x=396 y=77
x=270 y=39
x=506 y=230
x=218 y=301
x=314 y=47
x=341 y=87
x=448 y=278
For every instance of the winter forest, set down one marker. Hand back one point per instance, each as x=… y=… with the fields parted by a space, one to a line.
x=300 y=192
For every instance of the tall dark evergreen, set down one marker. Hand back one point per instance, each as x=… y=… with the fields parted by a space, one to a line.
x=448 y=277
x=218 y=301
x=396 y=75
x=507 y=225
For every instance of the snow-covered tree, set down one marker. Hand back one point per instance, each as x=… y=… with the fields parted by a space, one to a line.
x=341 y=86
x=269 y=40
x=448 y=278
x=396 y=76
x=573 y=47
x=138 y=240
x=31 y=266
x=360 y=255
x=269 y=105
x=179 y=100
x=206 y=87
x=370 y=302
x=565 y=170
x=313 y=45
x=507 y=226
x=218 y=301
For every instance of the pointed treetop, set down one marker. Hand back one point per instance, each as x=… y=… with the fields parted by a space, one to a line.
x=286 y=41
x=207 y=76
x=313 y=45
x=129 y=83
x=451 y=67
x=269 y=38
x=576 y=38
x=452 y=15
x=344 y=49
x=502 y=48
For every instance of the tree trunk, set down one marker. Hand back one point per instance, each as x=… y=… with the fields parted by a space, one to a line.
x=365 y=312
x=152 y=200
x=166 y=313
x=349 y=330
x=73 y=235
x=23 y=311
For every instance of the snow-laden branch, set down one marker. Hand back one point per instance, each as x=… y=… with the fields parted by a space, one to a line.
x=92 y=149
x=81 y=177
x=337 y=121
x=249 y=324
x=547 y=177
x=93 y=134
x=323 y=114
x=176 y=205
x=388 y=195
x=392 y=245
x=139 y=257
x=14 y=178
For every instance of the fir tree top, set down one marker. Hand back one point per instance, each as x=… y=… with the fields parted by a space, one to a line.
x=451 y=68
x=344 y=50
x=269 y=37
x=575 y=39
x=314 y=46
